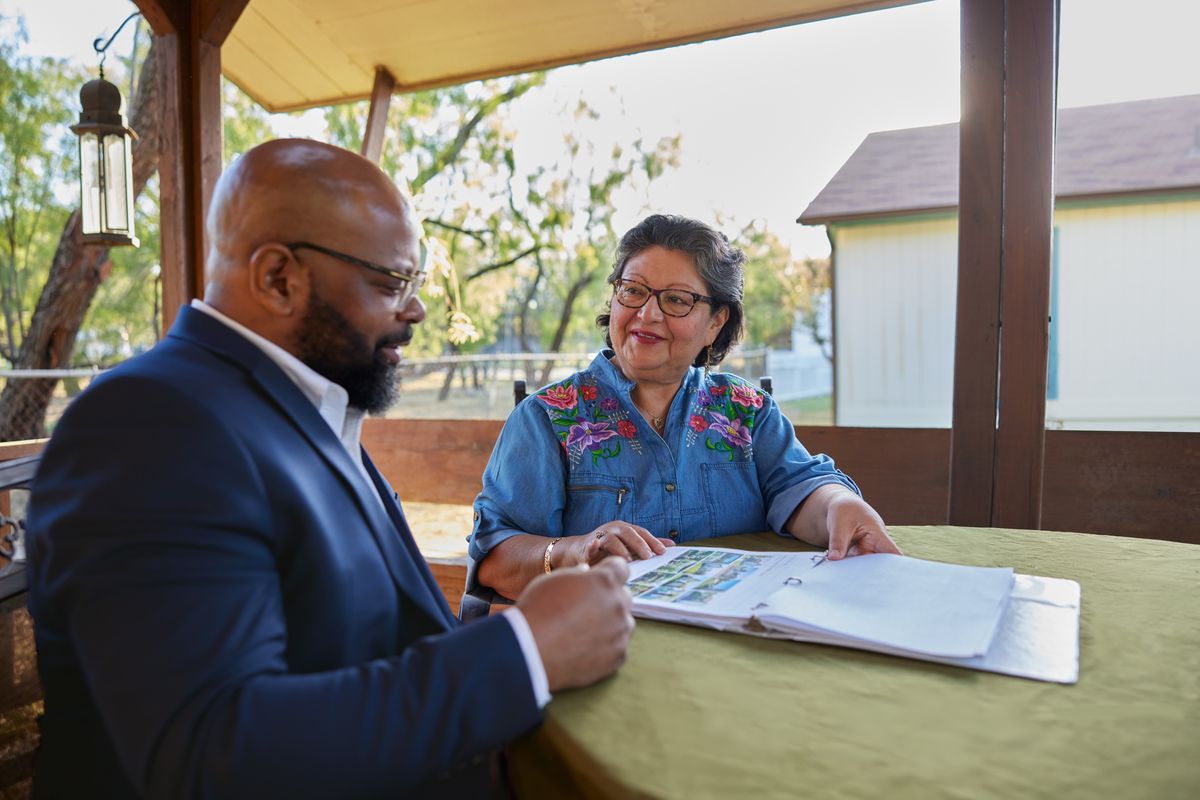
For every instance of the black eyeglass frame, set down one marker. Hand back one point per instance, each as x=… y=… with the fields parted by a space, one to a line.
x=414 y=279
x=657 y=295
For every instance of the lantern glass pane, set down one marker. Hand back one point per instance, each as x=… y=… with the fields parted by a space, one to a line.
x=89 y=182
x=116 y=189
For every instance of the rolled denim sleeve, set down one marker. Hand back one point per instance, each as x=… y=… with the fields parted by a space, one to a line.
x=524 y=484
x=787 y=472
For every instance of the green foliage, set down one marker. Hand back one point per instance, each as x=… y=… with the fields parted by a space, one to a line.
x=245 y=123
x=37 y=159
x=524 y=240
x=778 y=287
x=126 y=316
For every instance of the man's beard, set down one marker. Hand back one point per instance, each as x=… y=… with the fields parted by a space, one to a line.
x=330 y=345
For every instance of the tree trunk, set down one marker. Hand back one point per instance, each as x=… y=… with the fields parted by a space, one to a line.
x=75 y=275
x=564 y=322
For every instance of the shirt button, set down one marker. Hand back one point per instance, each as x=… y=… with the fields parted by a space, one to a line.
x=670 y=487
x=674 y=534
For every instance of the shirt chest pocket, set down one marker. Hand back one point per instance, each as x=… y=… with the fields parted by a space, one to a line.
x=733 y=498
x=593 y=500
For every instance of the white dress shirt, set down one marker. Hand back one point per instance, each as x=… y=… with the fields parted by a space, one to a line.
x=333 y=404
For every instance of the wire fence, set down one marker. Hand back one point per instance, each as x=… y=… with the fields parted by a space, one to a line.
x=477 y=386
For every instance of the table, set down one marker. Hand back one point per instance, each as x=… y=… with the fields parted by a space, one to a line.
x=701 y=714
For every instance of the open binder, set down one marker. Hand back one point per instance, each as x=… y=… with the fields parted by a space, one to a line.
x=983 y=618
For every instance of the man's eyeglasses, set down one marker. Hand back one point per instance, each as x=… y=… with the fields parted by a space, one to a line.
x=673 y=302
x=412 y=280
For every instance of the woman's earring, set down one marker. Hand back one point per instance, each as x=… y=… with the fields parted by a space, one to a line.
x=708 y=360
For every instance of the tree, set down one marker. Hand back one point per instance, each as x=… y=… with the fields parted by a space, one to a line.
x=34 y=157
x=521 y=248
x=527 y=242
x=779 y=288
x=244 y=123
x=75 y=274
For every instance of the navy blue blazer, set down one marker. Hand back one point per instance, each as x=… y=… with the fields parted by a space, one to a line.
x=222 y=609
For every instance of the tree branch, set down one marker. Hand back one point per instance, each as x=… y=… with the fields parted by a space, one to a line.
x=476 y=235
x=502 y=264
x=451 y=152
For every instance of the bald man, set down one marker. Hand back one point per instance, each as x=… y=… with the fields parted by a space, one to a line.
x=228 y=601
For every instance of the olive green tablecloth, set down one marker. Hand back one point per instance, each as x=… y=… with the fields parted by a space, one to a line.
x=700 y=714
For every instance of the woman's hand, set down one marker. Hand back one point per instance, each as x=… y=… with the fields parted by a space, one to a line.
x=618 y=538
x=855 y=528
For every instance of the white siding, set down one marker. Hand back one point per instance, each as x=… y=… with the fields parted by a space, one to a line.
x=894 y=293
x=1127 y=328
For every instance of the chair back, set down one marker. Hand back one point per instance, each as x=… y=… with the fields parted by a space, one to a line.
x=19 y=687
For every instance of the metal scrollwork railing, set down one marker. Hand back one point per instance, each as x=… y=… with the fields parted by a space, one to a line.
x=11 y=532
x=15 y=474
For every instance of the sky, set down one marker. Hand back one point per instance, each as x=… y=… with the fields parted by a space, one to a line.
x=768 y=118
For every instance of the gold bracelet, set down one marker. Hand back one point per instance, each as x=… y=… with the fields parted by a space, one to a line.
x=546 y=556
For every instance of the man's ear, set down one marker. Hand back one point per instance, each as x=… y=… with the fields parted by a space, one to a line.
x=279 y=284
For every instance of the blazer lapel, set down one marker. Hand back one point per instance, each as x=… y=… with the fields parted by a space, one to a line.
x=389 y=529
x=391 y=503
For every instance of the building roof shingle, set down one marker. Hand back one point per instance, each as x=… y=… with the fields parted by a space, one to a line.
x=1121 y=148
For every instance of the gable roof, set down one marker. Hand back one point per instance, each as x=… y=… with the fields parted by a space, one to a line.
x=1121 y=148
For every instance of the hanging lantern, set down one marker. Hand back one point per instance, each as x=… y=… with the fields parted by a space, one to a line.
x=105 y=166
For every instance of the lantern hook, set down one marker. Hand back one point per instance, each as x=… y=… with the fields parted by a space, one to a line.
x=101 y=46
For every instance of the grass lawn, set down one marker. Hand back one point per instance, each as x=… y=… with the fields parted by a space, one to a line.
x=810 y=410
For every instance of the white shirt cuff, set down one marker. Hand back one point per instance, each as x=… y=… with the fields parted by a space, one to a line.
x=533 y=657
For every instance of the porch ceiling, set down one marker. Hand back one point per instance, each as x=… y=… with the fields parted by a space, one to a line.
x=291 y=54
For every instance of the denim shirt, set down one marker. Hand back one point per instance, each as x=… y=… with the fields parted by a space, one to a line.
x=578 y=454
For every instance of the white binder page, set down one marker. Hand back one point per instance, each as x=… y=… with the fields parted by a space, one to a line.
x=898 y=602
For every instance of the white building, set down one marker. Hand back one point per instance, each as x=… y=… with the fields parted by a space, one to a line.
x=1125 y=286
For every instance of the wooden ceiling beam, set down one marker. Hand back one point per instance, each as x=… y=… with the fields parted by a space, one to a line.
x=217 y=18
x=161 y=15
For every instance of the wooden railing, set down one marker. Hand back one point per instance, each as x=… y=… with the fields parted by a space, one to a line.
x=1121 y=483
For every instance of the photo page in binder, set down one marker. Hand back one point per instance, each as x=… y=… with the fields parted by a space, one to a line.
x=976 y=617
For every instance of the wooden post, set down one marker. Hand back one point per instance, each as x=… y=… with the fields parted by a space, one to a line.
x=977 y=326
x=191 y=34
x=1006 y=203
x=381 y=98
x=1031 y=65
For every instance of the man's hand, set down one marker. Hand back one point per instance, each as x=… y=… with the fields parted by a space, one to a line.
x=581 y=622
x=855 y=528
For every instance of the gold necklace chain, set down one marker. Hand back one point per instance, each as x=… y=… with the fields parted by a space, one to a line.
x=656 y=422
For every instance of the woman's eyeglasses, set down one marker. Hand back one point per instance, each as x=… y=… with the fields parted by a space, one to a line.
x=673 y=302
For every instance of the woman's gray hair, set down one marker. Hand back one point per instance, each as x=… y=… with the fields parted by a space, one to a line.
x=718 y=262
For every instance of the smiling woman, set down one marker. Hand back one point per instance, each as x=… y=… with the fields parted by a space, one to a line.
x=647 y=446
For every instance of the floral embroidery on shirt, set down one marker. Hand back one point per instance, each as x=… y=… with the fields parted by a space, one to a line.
x=747 y=397
x=725 y=414
x=560 y=396
x=586 y=422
